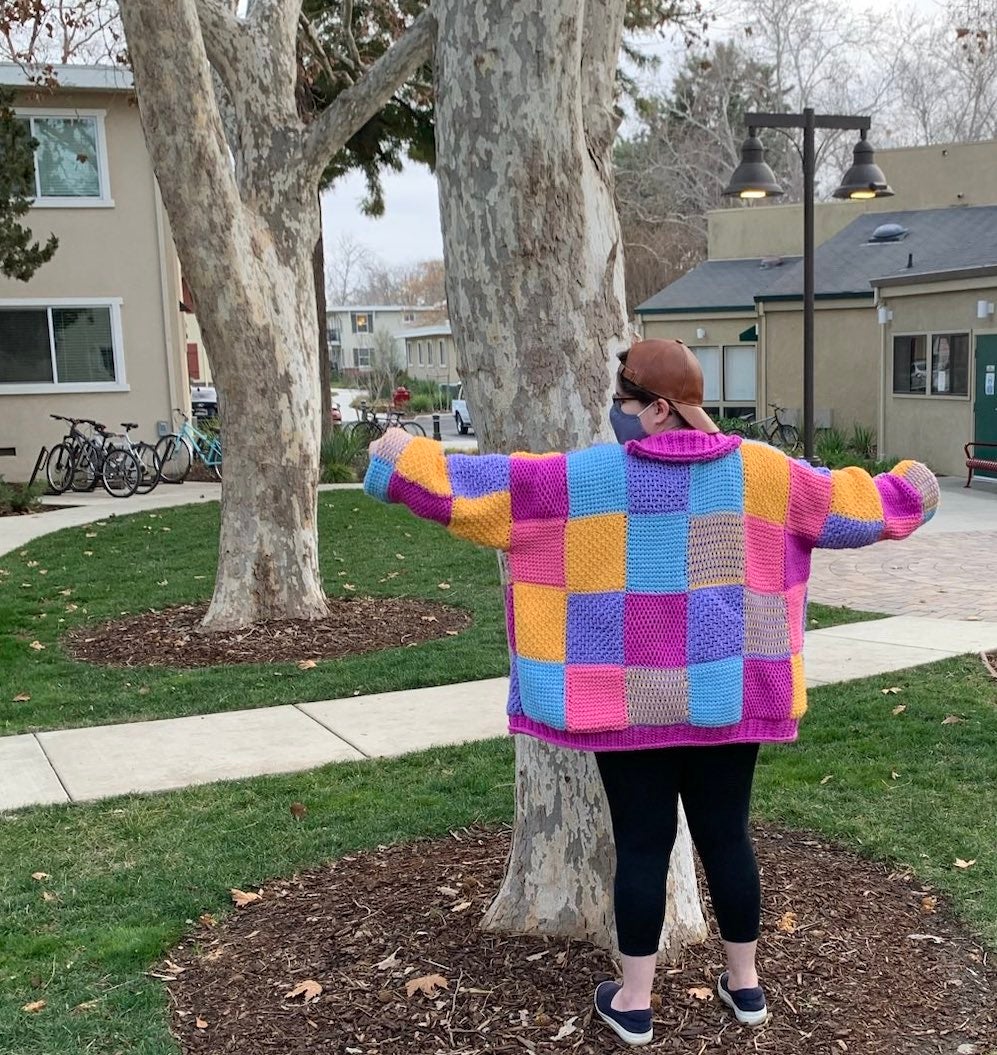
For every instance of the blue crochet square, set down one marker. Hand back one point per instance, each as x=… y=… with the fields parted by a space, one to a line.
x=595 y=628
x=716 y=623
x=597 y=481
x=717 y=486
x=377 y=479
x=657 y=553
x=541 y=691
x=716 y=692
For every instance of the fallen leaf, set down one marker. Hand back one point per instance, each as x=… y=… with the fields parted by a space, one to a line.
x=91 y=534
x=952 y=719
x=144 y=690
x=894 y=775
x=830 y=776
x=163 y=582
x=87 y=1005
x=567 y=1029
x=66 y=593
x=298 y=810
x=388 y=962
x=443 y=586
x=787 y=923
x=207 y=920
x=891 y=691
x=426 y=983
x=701 y=992
x=37 y=646
x=22 y=697
x=169 y=972
x=927 y=937
x=34 y=1007
x=899 y=709
x=72 y=607
x=88 y=553
x=309 y=989
x=461 y=906
x=538 y=956
x=400 y=556
x=928 y=905
x=49 y=896
x=242 y=898
x=968 y=1049
x=200 y=1023
x=306 y=664
x=39 y=876
x=348 y=586
x=447 y=891
x=960 y=863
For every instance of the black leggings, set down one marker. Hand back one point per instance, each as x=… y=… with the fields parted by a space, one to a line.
x=643 y=788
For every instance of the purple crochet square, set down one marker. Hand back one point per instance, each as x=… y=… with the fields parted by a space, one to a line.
x=419 y=500
x=768 y=688
x=657 y=487
x=654 y=633
x=477 y=475
x=539 y=488
x=841 y=532
x=514 y=705
x=595 y=628
x=797 y=560
x=902 y=506
x=716 y=623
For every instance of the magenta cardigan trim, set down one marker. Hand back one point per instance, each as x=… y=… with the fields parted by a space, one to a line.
x=684 y=445
x=638 y=737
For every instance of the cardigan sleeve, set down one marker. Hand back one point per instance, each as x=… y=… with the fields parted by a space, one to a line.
x=469 y=494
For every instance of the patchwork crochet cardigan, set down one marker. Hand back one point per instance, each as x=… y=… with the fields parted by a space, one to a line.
x=657 y=590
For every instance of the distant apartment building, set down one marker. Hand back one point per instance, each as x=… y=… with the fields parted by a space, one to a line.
x=430 y=354
x=352 y=328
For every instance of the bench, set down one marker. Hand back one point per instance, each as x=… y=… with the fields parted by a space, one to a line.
x=973 y=462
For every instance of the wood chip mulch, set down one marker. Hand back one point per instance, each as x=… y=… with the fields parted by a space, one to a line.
x=868 y=961
x=172 y=637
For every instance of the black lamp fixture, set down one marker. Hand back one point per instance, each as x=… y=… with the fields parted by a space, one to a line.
x=865 y=179
x=753 y=178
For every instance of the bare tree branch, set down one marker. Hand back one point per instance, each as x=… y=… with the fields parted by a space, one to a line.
x=351 y=40
x=354 y=107
x=321 y=53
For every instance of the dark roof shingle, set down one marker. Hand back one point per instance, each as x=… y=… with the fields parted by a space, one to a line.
x=718 y=284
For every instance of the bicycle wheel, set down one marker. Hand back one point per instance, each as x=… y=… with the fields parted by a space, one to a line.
x=59 y=468
x=85 y=471
x=787 y=437
x=174 y=459
x=214 y=458
x=413 y=428
x=366 y=431
x=150 y=465
x=121 y=473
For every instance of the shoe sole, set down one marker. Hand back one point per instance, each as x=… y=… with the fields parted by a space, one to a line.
x=633 y=1039
x=746 y=1018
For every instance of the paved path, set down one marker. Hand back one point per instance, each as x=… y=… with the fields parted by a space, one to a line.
x=74 y=765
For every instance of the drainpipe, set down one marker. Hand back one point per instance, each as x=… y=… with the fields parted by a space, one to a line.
x=881 y=424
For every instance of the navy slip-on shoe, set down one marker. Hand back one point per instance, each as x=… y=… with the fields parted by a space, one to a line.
x=748 y=1005
x=632 y=1027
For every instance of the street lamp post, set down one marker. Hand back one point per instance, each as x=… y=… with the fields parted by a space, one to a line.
x=754 y=179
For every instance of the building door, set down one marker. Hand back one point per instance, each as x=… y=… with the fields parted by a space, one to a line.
x=193 y=362
x=985 y=423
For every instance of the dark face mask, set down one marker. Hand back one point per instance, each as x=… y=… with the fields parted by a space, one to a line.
x=626 y=426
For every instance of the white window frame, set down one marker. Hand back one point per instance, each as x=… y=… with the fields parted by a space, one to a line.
x=105 y=201
x=443 y=354
x=723 y=403
x=408 y=318
x=929 y=337
x=32 y=388
x=365 y=350
x=421 y=360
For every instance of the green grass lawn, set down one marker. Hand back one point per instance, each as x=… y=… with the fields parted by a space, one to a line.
x=129 y=873
x=150 y=560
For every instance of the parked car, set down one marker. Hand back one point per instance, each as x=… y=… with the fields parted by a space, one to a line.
x=204 y=401
x=461 y=413
x=335 y=415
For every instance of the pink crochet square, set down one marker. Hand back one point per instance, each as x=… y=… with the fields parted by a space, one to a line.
x=537 y=553
x=809 y=501
x=797 y=559
x=768 y=689
x=796 y=602
x=765 y=554
x=596 y=698
x=655 y=629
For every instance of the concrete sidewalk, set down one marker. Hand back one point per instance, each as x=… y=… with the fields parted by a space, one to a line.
x=75 y=765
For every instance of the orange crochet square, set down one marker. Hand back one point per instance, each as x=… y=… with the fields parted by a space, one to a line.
x=486 y=520
x=596 y=553
x=766 y=482
x=541 y=614
x=854 y=495
x=425 y=464
x=799 y=688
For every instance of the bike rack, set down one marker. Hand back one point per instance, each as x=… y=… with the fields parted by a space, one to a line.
x=42 y=455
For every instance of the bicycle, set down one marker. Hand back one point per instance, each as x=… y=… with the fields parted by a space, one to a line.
x=81 y=459
x=773 y=430
x=177 y=451
x=372 y=428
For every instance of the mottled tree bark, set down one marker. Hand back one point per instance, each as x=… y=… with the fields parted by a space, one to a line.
x=525 y=123
x=242 y=198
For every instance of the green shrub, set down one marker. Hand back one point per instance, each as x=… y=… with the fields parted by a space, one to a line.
x=343 y=457
x=420 y=404
x=863 y=441
x=830 y=444
x=16 y=499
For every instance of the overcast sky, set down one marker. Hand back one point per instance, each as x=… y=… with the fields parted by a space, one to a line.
x=410 y=229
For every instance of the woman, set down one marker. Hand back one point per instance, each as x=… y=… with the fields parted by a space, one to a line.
x=657 y=604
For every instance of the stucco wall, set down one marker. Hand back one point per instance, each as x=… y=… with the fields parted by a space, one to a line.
x=445 y=374
x=112 y=252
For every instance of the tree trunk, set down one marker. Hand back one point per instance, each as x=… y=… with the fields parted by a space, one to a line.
x=524 y=126
x=324 y=377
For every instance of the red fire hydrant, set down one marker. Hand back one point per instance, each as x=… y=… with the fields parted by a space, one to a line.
x=400 y=397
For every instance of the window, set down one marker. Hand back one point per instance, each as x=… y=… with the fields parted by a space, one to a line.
x=408 y=317
x=361 y=358
x=408 y=352
x=443 y=354
x=420 y=354
x=429 y=353
x=332 y=335
x=65 y=345
x=729 y=375
x=70 y=162
x=362 y=321
x=945 y=373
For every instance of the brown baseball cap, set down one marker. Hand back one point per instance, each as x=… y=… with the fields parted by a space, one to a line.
x=669 y=370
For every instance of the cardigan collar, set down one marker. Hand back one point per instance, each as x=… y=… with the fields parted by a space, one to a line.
x=684 y=445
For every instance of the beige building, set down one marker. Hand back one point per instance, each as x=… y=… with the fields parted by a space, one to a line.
x=351 y=332
x=903 y=327
x=430 y=354
x=97 y=331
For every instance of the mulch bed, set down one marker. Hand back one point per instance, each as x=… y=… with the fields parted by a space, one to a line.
x=172 y=637
x=870 y=966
